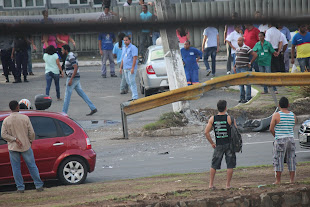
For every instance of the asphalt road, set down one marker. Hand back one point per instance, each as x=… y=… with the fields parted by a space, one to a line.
x=140 y=157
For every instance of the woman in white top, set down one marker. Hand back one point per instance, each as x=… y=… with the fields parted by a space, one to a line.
x=52 y=69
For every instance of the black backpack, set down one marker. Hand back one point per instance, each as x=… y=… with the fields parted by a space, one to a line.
x=236 y=139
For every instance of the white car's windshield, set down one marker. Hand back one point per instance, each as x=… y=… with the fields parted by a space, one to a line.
x=157 y=54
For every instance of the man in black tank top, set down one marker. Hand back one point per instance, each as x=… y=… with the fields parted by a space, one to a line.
x=221 y=125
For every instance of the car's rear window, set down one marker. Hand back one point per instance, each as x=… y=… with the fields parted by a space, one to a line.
x=157 y=54
x=67 y=130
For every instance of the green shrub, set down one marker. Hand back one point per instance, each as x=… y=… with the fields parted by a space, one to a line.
x=167 y=120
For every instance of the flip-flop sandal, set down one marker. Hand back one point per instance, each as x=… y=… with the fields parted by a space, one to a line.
x=212 y=188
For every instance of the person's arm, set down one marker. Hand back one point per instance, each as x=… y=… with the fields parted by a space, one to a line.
x=208 y=130
x=187 y=35
x=231 y=45
x=133 y=64
x=12 y=54
x=293 y=54
x=121 y=67
x=218 y=43
x=59 y=67
x=198 y=55
x=254 y=54
x=100 y=49
x=273 y=123
x=285 y=47
x=30 y=40
x=45 y=40
x=280 y=47
x=60 y=41
x=72 y=41
x=203 y=42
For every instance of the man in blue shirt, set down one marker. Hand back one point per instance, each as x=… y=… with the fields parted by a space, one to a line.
x=106 y=46
x=145 y=37
x=191 y=56
x=130 y=66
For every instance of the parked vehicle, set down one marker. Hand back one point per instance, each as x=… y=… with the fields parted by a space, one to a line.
x=62 y=149
x=304 y=134
x=152 y=72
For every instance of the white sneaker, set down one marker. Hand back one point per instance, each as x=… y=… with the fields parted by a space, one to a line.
x=228 y=72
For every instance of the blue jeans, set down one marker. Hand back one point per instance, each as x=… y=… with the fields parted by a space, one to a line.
x=131 y=81
x=107 y=55
x=266 y=69
x=77 y=86
x=29 y=66
x=244 y=93
x=303 y=63
x=155 y=36
x=254 y=64
x=207 y=52
x=32 y=167
x=49 y=78
x=233 y=57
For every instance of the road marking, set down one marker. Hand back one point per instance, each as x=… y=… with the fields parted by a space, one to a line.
x=261 y=142
x=302 y=151
x=107 y=97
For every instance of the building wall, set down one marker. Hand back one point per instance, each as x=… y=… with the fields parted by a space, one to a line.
x=87 y=42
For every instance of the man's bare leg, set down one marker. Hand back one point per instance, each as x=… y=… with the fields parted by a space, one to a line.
x=292 y=176
x=278 y=177
x=212 y=175
x=229 y=176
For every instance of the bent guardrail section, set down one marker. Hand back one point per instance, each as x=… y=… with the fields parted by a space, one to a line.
x=195 y=91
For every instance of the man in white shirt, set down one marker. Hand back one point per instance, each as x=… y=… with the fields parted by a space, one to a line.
x=210 y=46
x=273 y=35
x=128 y=3
x=232 y=40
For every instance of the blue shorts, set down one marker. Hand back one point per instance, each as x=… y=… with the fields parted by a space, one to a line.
x=192 y=76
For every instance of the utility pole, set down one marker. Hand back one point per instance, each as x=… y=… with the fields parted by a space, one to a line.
x=173 y=58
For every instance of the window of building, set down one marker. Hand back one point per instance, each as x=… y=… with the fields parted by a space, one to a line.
x=76 y=2
x=23 y=3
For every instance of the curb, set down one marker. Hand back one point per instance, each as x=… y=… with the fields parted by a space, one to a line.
x=98 y=62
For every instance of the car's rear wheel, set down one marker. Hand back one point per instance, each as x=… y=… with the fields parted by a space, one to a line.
x=148 y=92
x=72 y=171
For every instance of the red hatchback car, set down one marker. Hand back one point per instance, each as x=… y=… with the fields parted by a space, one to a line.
x=61 y=149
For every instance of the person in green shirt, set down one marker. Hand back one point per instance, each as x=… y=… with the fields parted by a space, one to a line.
x=264 y=50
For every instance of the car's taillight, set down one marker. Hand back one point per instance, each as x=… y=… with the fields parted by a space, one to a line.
x=150 y=70
x=88 y=145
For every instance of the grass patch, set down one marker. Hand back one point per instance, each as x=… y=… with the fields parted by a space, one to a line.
x=167 y=120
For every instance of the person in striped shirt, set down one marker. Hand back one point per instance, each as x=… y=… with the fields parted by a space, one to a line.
x=282 y=128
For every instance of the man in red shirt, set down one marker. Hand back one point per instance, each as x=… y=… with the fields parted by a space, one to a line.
x=250 y=39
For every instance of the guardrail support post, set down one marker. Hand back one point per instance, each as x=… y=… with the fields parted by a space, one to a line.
x=124 y=123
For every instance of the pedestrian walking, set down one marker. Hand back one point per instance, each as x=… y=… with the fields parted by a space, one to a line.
x=221 y=124
x=130 y=65
x=250 y=39
x=117 y=52
x=105 y=44
x=232 y=41
x=282 y=128
x=227 y=31
x=244 y=59
x=52 y=70
x=18 y=132
x=190 y=57
x=264 y=51
x=273 y=35
x=73 y=81
x=20 y=51
x=301 y=41
x=286 y=55
x=6 y=46
x=145 y=35
x=210 y=46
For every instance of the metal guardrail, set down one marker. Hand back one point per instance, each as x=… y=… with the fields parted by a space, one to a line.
x=195 y=91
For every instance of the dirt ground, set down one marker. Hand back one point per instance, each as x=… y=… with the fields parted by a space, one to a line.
x=169 y=188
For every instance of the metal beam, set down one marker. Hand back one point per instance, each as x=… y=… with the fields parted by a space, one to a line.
x=195 y=91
